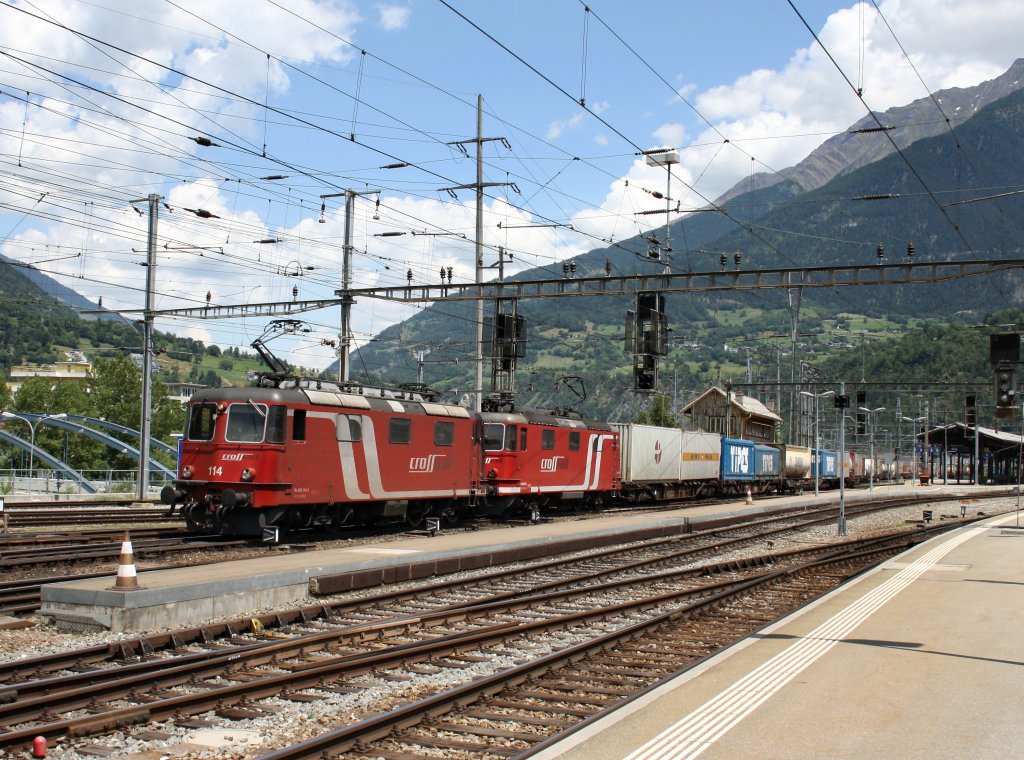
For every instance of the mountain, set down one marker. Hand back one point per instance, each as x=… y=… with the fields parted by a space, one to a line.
x=65 y=295
x=926 y=117
x=922 y=190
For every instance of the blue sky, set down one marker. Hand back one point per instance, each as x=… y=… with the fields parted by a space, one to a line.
x=100 y=106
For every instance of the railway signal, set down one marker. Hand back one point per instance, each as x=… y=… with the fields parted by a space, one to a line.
x=647 y=339
x=1006 y=390
x=1004 y=357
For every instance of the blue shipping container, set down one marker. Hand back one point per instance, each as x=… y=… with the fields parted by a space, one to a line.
x=737 y=459
x=829 y=460
x=767 y=462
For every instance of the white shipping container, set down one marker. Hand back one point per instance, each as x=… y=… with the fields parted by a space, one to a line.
x=649 y=454
x=701 y=455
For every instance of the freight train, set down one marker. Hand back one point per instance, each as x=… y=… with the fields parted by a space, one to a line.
x=306 y=453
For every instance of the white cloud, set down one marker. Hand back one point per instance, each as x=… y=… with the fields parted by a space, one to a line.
x=557 y=128
x=670 y=134
x=807 y=100
x=394 y=17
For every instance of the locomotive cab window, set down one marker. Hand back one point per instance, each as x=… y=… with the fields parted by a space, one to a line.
x=547 y=439
x=522 y=439
x=444 y=433
x=498 y=437
x=574 y=440
x=399 y=430
x=276 y=423
x=246 y=423
x=299 y=425
x=202 y=421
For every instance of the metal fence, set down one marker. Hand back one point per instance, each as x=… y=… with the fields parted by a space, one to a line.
x=52 y=484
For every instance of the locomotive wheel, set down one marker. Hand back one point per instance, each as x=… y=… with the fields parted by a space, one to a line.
x=416 y=515
x=333 y=524
x=451 y=515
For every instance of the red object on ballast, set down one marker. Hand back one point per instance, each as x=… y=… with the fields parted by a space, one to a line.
x=39 y=746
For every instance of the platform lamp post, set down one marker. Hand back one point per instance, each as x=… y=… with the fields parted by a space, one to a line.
x=917 y=463
x=1020 y=463
x=871 y=443
x=32 y=435
x=842 y=402
x=816 y=459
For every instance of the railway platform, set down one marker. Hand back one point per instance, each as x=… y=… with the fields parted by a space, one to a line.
x=922 y=657
x=191 y=596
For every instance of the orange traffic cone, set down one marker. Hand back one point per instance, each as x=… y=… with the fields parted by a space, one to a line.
x=750 y=496
x=126 y=578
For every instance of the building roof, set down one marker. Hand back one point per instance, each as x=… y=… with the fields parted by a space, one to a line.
x=747 y=404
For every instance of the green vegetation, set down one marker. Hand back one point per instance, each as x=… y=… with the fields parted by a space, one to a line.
x=112 y=393
x=659 y=413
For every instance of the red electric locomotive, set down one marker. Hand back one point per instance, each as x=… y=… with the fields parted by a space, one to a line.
x=543 y=460
x=306 y=453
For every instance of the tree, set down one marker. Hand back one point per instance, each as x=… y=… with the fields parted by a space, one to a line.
x=659 y=413
x=6 y=400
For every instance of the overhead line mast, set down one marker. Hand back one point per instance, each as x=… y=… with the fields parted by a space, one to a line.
x=147 y=347
x=479 y=186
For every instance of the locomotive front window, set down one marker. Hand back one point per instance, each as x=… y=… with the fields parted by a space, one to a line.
x=494 y=436
x=202 y=420
x=498 y=437
x=246 y=423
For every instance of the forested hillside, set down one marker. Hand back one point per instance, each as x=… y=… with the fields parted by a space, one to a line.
x=39 y=329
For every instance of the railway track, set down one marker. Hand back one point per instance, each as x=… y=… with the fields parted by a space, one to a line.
x=20 y=517
x=21 y=596
x=522 y=708
x=324 y=649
